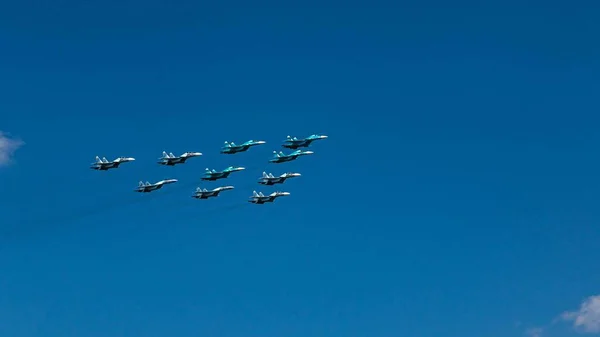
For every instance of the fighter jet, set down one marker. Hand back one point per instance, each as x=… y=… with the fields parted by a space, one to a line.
x=282 y=158
x=147 y=187
x=103 y=164
x=169 y=159
x=295 y=143
x=205 y=194
x=260 y=198
x=213 y=175
x=231 y=148
x=269 y=179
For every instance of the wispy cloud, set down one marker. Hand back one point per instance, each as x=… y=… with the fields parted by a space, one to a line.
x=8 y=146
x=534 y=332
x=587 y=318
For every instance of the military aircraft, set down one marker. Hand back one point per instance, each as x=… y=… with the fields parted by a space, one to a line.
x=269 y=179
x=213 y=175
x=147 y=187
x=103 y=164
x=169 y=159
x=231 y=148
x=295 y=143
x=205 y=194
x=282 y=158
x=260 y=198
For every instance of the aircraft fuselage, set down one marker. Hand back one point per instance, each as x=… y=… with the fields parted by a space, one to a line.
x=215 y=176
x=173 y=161
x=237 y=149
x=147 y=189
x=105 y=167
x=284 y=159
x=272 y=181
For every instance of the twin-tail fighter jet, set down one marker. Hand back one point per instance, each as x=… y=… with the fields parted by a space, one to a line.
x=260 y=198
x=269 y=179
x=212 y=175
x=282 y=158
x=231 y=147
x=205 y=194
x=147 y=187
x=103 y=164
x=169 y=159
x=295 y=143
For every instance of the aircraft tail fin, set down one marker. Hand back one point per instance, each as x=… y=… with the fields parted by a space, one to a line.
x=98 y=160
x=104 y=160
x=171 y=155
x=141 y=184
x=260 y=194
x=148 y=183
x=271 y=175
x=254 y=194
x=265 y=175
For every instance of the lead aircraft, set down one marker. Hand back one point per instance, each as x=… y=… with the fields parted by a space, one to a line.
x=282 y=157
x=148 y=187
x=295 y=143
x=231 y=147
x=269 y=179
x=212 y=175
x=260 y=198
x=205 y=194
x=104 y=165
x=169 y=159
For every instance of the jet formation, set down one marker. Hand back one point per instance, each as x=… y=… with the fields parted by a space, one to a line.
x=229 y=148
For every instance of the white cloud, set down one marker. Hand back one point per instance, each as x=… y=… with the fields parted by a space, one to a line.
x=587 y=318
x=8 y=146
x=534 y=332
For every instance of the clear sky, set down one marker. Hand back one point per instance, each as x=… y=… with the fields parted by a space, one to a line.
x=457 y=194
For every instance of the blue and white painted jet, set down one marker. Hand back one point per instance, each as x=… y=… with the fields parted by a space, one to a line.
x=269 y=179
x=205 y=194
x=282 y=157
x=212 y=175
x=260 y=198
x=295 y=143
x=104 y=165
x=169 y=159
x=147 y=187
x=231 y=147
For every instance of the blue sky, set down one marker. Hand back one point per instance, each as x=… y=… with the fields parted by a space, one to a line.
x=456 y=194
